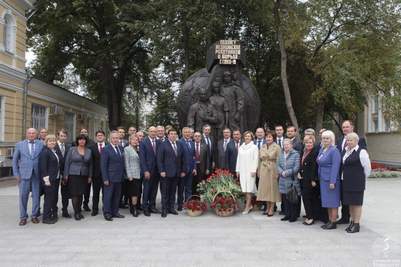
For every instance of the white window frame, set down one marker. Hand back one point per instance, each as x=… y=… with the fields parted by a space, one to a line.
x=9 y=32
x=46 y=118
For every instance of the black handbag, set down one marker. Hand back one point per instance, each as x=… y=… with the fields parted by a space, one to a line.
x=292 y=194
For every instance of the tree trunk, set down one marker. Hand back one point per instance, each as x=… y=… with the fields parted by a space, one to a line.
x=284 y=78
x=319 y=116
x=113 y=94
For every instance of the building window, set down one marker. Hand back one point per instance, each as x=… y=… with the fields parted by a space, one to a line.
x=2 y=119
x=10 y=30
x=70 y=125
x=39 y=116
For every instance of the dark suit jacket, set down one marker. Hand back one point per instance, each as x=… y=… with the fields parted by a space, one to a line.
x=204 y=159
x=112 y=164
x=308 y=170
x=189 y=154
x=97 y=173
x=224 y=156
x=362 y=144
x=297 y=144
x=232 y=154
x=62 y=158
x=168 y=162
x=49 y=165
x=212 y=150
x=147 y=157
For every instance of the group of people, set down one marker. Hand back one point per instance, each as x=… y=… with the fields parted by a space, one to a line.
x=272 y=167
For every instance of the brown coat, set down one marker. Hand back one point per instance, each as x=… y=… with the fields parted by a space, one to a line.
x=268 y=176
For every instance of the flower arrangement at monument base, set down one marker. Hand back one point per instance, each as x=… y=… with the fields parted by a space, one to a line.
x=222 y=191
x=195 y=206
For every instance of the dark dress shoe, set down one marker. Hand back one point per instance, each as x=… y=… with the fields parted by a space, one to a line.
x=343 y=221
x=94 y=213
x=330 y=226
x=86 y=207
x=118 y=215
x=179 y=209
x=35 y=220
x=108 y=217
x=286 y=218
x=49 y=221
x=81 y=216
x=77 y=217
x=354 y=228
x=154 y=210
x=22 y=222
x=292 y=220
x=146 y=213
x=164 y=214
x=65 y=214
x=135 y=212
x=349 y=226
x=173 y=211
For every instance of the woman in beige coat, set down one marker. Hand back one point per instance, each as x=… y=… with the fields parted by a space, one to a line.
x=268 y=176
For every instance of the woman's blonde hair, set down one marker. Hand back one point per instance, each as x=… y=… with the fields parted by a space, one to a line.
x=330 y=135
x=50 y=137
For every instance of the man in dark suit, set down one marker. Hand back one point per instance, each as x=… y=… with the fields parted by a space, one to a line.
x=347 y=127
x=185 y=183
x=202 y=161
x=161 y=133
x=112 y=166
x=292 y=135
x=260 y=137
x=171 y=165
x=222 y=149
x=208 y=140
x=148 y=160
x=123 y=142
x=97 y=181
x=232 y=151
x=279 y=130
x=62 y=148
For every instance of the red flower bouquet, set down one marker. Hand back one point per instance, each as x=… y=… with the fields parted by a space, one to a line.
x=195 y=206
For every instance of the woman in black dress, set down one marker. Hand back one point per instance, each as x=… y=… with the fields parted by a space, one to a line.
x=49 y=167
x=309 y=180
x=78 y=172
x=355 y=169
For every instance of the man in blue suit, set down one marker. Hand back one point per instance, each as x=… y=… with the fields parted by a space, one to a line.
x=26 y=169
x=185 y=183
x=347 y=127
x=148 y=150
x=112 y=166
x=171 y=165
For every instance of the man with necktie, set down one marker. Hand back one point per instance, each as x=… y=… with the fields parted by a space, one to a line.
x=112 y=167
x=259 y=142
x=279 y=130
x=62 y=148
x=202 y=161
x=208 y=140
x=26 y=170
x=185 y=183
x=147 y=157
x=347 y=127
x=223 y=147
x=171 y=166
x=97 y=181
x=161 y=133
x=232 y=151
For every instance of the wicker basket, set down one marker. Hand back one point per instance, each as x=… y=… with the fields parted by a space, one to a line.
x=226 y=212
x=194 y=213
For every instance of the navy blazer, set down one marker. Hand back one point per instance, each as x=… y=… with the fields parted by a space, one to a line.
x=189 y=154
x=232 y=154
x=147 y=157
x=112 y=164
x=49 y=164
x=168 y=162
x=263 y=141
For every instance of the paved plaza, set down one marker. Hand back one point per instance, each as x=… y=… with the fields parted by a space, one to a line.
x=242 y=240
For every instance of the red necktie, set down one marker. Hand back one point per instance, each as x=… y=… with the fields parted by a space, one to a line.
x=100 y=147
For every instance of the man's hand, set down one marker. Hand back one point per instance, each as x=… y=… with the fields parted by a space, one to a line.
x=163 y=174
x=207 y=172
x=106 y=183
x=147 y=175
x=194 y=172
x=89 y=180
x=313 y=183
x=332 y=186
x=18 y=179
x=182 y=174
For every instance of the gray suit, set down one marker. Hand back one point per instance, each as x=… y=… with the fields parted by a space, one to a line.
x=132 y=164
x=26 y=166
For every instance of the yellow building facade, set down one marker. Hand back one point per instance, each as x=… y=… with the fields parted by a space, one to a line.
x=27 y=102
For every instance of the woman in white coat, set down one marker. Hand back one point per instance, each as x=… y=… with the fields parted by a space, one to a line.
x=247 y=164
